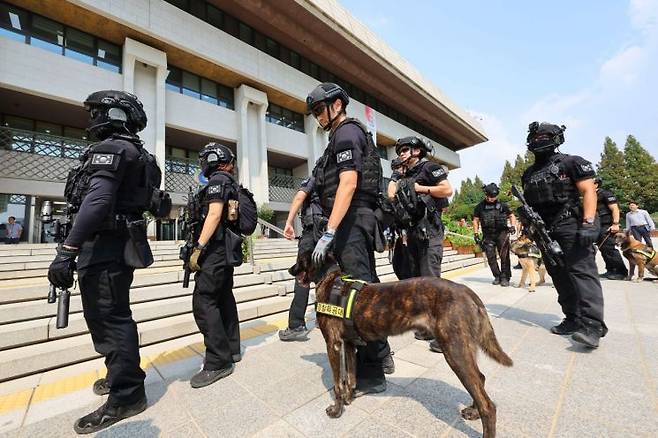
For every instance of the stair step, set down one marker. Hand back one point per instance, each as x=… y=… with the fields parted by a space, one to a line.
x=35 y=358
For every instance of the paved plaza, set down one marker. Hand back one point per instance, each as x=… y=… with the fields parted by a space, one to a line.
x=555 y=389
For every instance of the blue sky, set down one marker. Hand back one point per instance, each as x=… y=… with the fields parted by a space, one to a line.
x=589 y=64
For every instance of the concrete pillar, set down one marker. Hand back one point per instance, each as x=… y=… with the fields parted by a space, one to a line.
x=144 y=73
x=250 y=106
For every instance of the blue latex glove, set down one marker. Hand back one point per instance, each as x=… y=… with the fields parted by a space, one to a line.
x=322 y=247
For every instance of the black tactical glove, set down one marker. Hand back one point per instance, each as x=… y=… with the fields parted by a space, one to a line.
x=478 y=239
x=588 y=233
x=512 y=230
x=60 y=272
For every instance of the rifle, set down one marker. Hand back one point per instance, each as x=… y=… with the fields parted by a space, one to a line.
x=60 y=230
x=190 y=218
x=535 y=227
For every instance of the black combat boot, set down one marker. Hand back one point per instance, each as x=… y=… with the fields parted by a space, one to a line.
x=496 y=281
x=588 y=334
x=294 y=334
x=207 y=377
x=388 y=365
x=106 y=416
x=566 y=327
x=101 y=387
x=504 y=282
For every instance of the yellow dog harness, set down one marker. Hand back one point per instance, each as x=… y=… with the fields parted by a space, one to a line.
x=341 y=306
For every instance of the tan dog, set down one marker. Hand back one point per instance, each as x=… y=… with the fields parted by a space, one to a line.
x=638 y=254
x=452 y=312
x=531 y=262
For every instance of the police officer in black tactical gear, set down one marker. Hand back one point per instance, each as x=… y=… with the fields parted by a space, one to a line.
x=213 y=259
x=348 y=183
x=553 y=186
x=313 y=226
x=430 y=181
x=110 y=191
x=607 y=208
x=425 y=236
x=492 y=215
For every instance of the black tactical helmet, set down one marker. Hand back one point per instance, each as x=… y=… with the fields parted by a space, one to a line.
x=114 y=111
x=396 y=163
x=491 y=189
x=212 y=155
x=544 y=136
x=326 y=92
x=413 y=142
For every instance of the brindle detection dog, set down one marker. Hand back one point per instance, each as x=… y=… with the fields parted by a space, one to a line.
x=638 y=254
x=453 y=313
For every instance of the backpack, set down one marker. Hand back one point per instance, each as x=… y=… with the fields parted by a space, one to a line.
x=247 y=211
x=242 y=211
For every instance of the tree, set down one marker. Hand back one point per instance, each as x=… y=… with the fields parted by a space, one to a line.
x=642 y=178
x=612 y=171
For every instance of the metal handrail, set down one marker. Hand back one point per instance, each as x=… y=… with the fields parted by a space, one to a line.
x=271 y=227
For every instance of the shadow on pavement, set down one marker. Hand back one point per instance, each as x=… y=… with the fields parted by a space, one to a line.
x=525 y=317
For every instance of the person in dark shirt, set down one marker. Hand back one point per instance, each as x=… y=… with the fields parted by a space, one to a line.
x=491 y=215
x=607 y=208
x=425 y=236
x=348 y=182
x=213 y=259
x=313 y=224
x=553 y=186
x=108 y=193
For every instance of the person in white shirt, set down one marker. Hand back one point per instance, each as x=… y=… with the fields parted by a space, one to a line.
x=639 y=223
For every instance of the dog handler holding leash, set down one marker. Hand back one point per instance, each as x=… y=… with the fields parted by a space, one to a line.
x=348 y=180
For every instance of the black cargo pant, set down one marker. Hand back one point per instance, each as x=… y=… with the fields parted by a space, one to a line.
x=300 y=299
x=425 y=251
x=494 y=244
x=354 y=249
x=577 y=282
x=105 y=295
x=215 y=310
x=613 y=261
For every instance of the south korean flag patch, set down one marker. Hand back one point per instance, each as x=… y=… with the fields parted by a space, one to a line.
x=104 y=161
x=343 y=156
x=215 y=190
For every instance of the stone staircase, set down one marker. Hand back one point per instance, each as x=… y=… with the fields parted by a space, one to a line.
x=30 y=343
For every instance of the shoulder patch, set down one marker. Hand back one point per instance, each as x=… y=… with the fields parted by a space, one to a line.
x=344 y=156
x=438 y=172
x=586 y=167
x=99 y=159
x=214 y=190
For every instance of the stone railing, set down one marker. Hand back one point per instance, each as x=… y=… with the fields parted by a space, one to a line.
x=37 y=156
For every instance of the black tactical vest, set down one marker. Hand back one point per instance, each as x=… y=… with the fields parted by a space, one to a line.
x=370 y=180
x=492 y=217
x=434 y=205
x=141 y=176
x=550 y=189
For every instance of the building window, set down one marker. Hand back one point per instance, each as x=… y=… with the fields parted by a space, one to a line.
x=189 y=84
x=284 y=117
x=231 y=25
x=27 y=27
x=42 y=138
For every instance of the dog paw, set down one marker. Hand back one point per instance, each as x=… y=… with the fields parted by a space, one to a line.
x=637 y=280
x=470 y=413
x=334 y=411
x=531 y=290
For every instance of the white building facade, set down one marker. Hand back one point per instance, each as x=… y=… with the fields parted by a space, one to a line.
x=236 y=72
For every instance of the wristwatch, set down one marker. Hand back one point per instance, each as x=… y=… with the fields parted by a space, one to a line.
x=615 y=223
x=588 y=220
